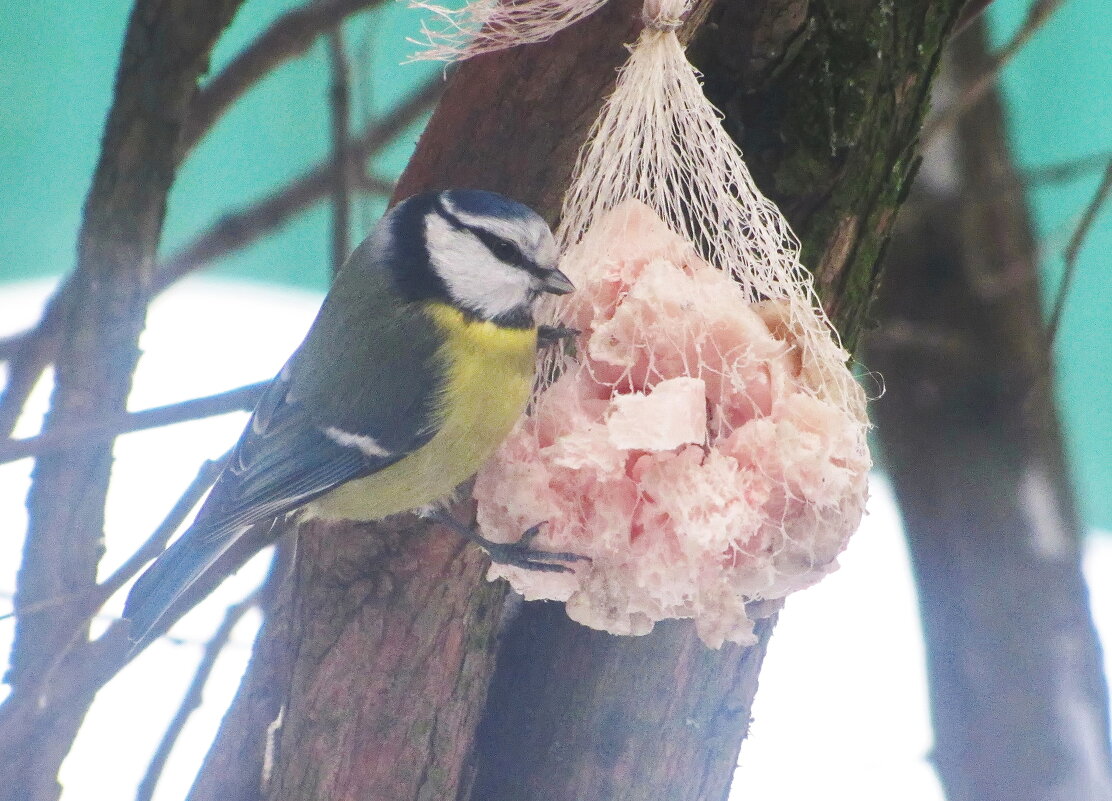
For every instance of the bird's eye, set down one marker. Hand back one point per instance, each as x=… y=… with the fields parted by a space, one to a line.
x=506 y=251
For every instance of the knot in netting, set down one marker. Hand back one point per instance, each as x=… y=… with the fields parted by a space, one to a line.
x=664 y=15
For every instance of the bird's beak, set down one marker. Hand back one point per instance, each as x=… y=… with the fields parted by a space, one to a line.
x=555 y=282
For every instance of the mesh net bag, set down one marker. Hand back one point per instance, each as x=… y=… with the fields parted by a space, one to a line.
x=705 y=445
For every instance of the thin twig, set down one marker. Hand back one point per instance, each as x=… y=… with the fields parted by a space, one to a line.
x=154 y=545
x=1073 y=250
x=340 y=97
x=288 y=37
x=194 y=695
x=156 y=542
x=30 y=352
x=238 y=229
x=363 y=181
x=1066 y=171
x=975 y=91
x=234 y=400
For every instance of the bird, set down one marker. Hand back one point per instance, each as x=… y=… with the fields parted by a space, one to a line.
x=417 y=366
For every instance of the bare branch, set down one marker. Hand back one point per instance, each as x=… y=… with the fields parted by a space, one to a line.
x=972 y=93
x=363 y=181
x=1065 y=171
x=166 y=47
x=27 y=356
x=1073 y=250
x=340 y=97
x=969 y=13
x=155 y=544
x=194 y=695
x=234 y=400
x=30 y=352
x=288 y=37
x=238 y=229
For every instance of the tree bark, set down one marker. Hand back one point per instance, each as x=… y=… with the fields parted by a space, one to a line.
x=973 y=443
x=832 y=99
x=165 y=51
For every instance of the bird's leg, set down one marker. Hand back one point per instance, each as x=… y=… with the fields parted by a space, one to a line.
x=517 y=554
x=549 y=335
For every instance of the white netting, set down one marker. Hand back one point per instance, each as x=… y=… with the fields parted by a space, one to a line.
x=486 y=26
x=706 y=447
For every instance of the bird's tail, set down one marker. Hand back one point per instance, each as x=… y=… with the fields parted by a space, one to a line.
x=172 y=573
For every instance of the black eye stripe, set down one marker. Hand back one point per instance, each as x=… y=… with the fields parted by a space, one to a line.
x=501 y=249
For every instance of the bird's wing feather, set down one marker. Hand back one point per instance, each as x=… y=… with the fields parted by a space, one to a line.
x=307 y=437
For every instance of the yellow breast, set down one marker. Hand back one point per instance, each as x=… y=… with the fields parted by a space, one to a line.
x=489 y=374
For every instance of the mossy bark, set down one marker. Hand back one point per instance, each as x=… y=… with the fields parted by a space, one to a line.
x=826 y=100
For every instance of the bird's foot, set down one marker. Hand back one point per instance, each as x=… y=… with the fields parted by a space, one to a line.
x=516 y=554
x=522 y=554
x=549 y=335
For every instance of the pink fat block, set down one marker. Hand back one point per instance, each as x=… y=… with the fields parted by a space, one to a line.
x=671 y=414
x=696 y=451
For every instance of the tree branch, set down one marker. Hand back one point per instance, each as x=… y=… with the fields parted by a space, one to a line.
x=974 y=450
x=340 y=107
x=234 y=400
x=32 y=351
x=88 y=605
x=165 y=50
x=1073 y=250
x=1065 y=171
x=287 y=38
x=27 y=355
x=238 y=229
x=972 y=93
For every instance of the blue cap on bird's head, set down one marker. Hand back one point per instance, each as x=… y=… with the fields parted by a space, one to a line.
x=481 y=203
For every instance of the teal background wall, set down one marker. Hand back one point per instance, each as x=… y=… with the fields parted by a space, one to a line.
x=1058 y=92
x=57 y=66
x=58 y=58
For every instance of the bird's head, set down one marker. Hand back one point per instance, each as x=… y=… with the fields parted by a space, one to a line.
x=478 y=251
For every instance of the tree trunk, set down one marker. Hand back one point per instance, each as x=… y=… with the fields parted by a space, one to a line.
x=972 y=440
x=379 y=670
x=165 y=52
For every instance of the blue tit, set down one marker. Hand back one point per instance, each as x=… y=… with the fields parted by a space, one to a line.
x=416 y=368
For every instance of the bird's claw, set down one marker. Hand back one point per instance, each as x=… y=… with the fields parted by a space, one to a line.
x=522 y=554
x=549 y=335
x=516 y=554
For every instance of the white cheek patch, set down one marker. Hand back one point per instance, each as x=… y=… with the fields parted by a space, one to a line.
x=368 y=445
x=474 y=277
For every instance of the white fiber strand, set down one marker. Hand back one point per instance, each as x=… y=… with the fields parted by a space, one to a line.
x=659 y=140
x=486 y=26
